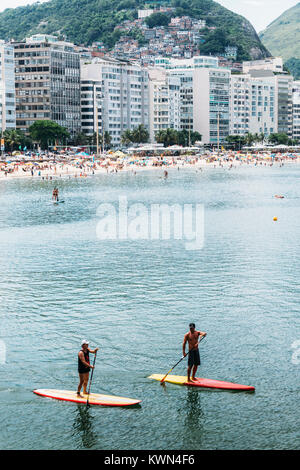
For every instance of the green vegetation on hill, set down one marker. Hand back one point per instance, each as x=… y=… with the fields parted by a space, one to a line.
x=86 y=21
x=282 y=36
x=293 y=66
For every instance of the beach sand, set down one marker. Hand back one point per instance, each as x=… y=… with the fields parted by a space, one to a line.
x=51 y=171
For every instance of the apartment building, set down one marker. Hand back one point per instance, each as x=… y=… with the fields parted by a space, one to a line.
x=91 y=106
x=211 y=91
x=253 y=105
x=47 y=83
x=284 y=89
x=7 y=87
x=204 y=101
x=125 y=94
x=191 y=63
x=164 y=101
x=296 y=110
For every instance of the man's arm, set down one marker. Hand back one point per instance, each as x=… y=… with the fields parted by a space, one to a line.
x=202 y=334
x=93 y=351
x=183 y=345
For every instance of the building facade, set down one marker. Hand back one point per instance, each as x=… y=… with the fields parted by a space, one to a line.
x=273 y=64
x=253 y=105
x=7 y=87
x=284 y=89
x=296 y=110
x=164 y=101
x=204 y=102
x=91 y=106
x=211 y=91
x=125 y=95
x=192 y=63
x=47 y=83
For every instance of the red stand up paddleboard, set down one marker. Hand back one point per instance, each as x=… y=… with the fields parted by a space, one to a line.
x=203 y=383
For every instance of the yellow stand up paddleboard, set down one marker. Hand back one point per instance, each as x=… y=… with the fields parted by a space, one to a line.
x=93 y=398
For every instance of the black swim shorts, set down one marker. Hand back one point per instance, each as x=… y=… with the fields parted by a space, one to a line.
x=194 y=358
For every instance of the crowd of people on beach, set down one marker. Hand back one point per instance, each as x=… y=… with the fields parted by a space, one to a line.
x=57 y=166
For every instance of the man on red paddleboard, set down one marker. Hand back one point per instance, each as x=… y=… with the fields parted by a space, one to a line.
x=192 y=338
x=84 y=366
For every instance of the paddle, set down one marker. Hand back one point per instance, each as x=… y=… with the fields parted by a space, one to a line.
x=163 y=380
x=87 y=401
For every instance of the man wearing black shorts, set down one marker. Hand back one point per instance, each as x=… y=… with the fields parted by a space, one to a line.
x=84 y=366
x=192 y=338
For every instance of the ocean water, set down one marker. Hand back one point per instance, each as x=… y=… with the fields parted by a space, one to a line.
x=134 y=300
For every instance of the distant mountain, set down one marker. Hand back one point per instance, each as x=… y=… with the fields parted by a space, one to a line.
x=282 y=36
x=87 y=21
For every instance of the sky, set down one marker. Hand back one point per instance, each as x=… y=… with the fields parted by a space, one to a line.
x=259 y=12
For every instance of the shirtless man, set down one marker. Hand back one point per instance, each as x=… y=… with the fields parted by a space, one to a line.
x=84 y=366
x=192 y=338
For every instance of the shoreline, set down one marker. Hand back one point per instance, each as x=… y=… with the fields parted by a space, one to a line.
x=54 y=171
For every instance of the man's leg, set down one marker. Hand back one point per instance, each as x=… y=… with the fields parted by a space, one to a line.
x=81 y=380
x=194 y=372
x=189 y=374
x=85 y=383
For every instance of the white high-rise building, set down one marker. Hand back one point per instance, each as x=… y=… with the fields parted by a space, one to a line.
x=204 y=102
x=124 y=96
x=253 y=105
x=7 y=87
x=261 y=102
x=211 y=104
x=164 y=101
x=296 y=110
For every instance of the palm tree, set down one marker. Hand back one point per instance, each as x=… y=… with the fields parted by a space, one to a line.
x=107 y=139
x=12 y=138
x=140 y=134
x=167 y=137
x=126 y=137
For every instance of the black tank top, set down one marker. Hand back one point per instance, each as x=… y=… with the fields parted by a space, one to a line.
x=82 y=369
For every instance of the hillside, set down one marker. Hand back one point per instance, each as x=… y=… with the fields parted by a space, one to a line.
x=282 y=36
x=87 y=21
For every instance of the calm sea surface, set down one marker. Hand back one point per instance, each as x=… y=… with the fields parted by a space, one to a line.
x=134 y=299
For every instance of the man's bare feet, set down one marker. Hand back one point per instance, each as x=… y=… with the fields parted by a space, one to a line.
x=192 y=380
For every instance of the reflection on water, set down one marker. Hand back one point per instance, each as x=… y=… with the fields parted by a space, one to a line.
x=60 y=284
x=193 y=422
x=83 y=427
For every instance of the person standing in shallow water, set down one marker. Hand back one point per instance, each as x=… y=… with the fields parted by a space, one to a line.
x=55 y=194
x=192 y=338
x=84 y=366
